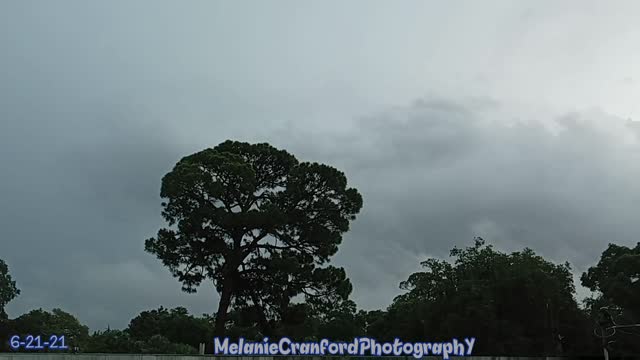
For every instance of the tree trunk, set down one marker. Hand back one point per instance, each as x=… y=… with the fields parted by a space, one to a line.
x=223 y=307
x=230 y=272
x=263 y=323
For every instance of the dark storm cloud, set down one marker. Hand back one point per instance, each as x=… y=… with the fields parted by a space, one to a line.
x=435 y=174
x=80 y=194
x=78 y=198
x=94 y=110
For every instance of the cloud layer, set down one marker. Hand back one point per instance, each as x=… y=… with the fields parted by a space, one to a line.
x=436 y=173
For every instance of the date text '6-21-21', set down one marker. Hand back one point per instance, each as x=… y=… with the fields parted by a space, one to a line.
x=30 y=342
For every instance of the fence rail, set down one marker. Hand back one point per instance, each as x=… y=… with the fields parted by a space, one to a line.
x=53 y=356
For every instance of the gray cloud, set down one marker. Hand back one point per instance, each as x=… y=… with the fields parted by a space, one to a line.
x=435 y=174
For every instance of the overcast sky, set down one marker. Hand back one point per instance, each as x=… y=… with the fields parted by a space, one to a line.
x=511 y=120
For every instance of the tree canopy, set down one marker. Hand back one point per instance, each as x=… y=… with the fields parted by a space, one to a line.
x=259 y=224
x=8 y=288
x=518 y=302
x=513 y=303
x=176 y=325
x=57 y=322
x=615 y=280
x=617 y=277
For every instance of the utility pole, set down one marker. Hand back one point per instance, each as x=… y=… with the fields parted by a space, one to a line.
x=608 y=329
x=604 y=347
x=605 y=323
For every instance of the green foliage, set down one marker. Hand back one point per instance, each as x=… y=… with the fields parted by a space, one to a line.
x=57 y=322
x=117 y=341
x=258 y=223
x=373 y=323
x=8 y=292
x=176 y=325
x=515 y=303
x=341 y=323
x=159 y=344
x=161 y=331
x=8 y=289
x=615 y=279
x=112 y=341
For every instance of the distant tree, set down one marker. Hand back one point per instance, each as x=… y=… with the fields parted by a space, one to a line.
x=240 y=213
x=120 y=341
x=159 y=344
x=616 y=283
x=617 y=278
x=8 y=289
x=8 y=292
x=297 y=322
x=243 y=322
x=375 y=324
x=57 y=322
x=341 y=323
x=176 y=325
x=514 y=303
x=112 y=341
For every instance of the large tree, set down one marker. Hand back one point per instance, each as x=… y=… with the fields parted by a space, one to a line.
x=8 y=289
x=616 y=283
x=617 y=278
x=517 y=303
x=241 y=213
x=57 y=322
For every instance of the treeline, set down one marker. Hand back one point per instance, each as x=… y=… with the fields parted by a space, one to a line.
x=513 y=303
x=263 y=226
